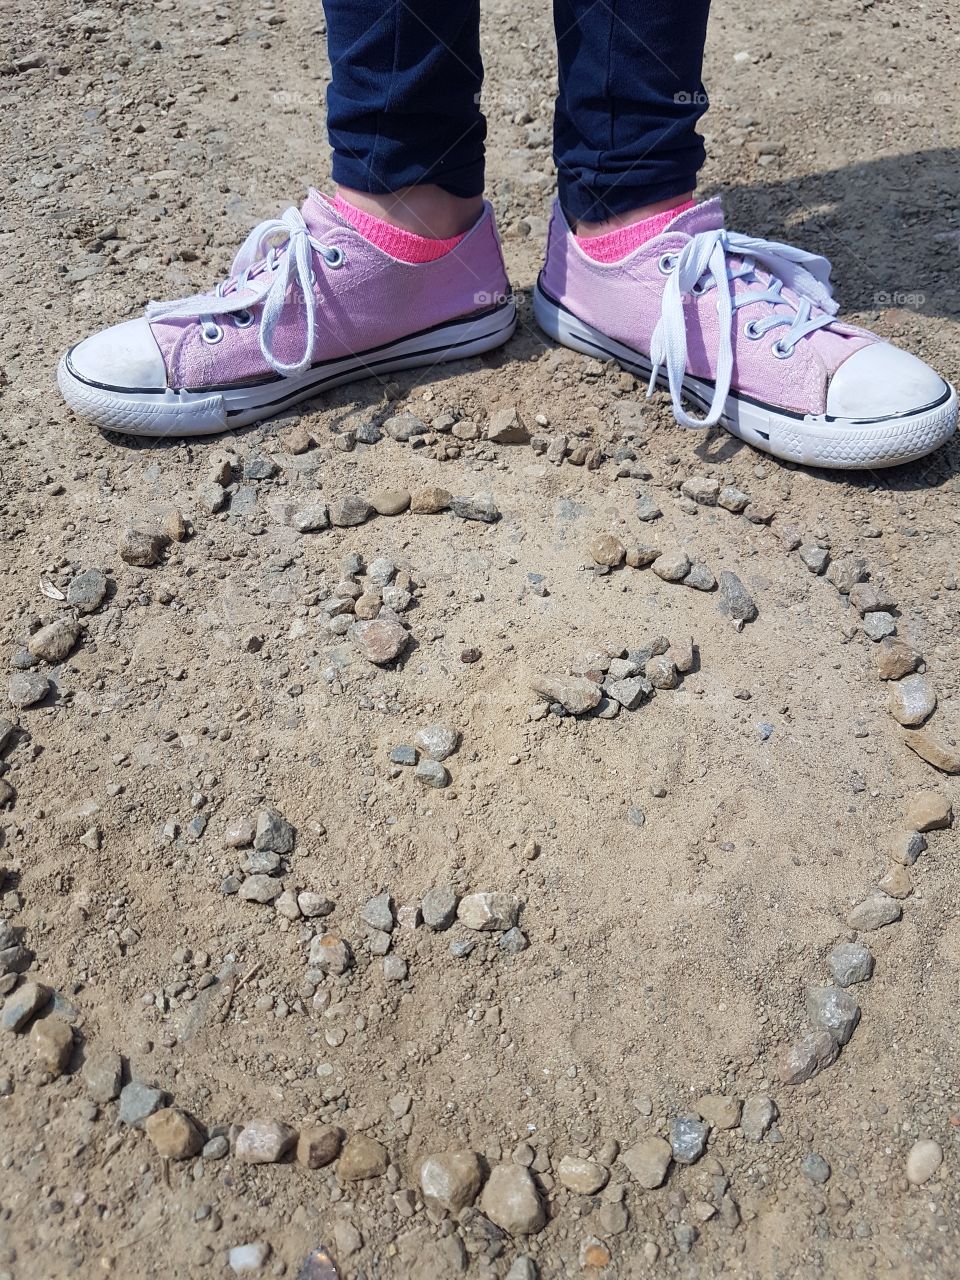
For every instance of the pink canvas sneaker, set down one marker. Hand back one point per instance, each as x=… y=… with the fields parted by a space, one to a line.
x=745 y=330
x=309 y=304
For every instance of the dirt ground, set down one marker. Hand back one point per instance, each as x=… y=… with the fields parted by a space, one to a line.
x=682 y=870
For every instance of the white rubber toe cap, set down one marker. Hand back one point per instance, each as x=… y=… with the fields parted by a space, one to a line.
x=124 y=358
x=882 y=381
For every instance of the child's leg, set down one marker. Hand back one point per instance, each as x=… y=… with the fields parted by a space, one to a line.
x=631 y=93
x=403 y=112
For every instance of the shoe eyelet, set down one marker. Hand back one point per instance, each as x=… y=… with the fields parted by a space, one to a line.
x=750 y=331
x=698 y=289
x=211 y=333
x=334 y=258
x=243 y=319
x=667 y=263
x=782 y=351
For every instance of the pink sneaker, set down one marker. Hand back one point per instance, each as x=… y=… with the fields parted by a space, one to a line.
x=745 y=329
x=309 y=304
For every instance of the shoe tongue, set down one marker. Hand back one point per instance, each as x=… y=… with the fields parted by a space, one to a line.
x=319 y=214
x=707 y=216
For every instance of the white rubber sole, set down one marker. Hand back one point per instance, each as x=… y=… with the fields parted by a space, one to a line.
x=816 y=441
x=205 y=412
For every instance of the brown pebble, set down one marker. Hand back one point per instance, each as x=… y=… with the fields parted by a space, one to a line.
x=895 y=659
x=173 y=1134
x=52 y=1041
x=430 y=500
x=607 y=550
x=470 y=654
x=390 y=502
x=935 y=750
x=319 y=1146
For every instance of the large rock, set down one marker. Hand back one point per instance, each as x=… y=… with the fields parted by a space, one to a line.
x=511 y=1200
x=576 y=694
x=849 y=963
x=450 y=1180
x=912 y=700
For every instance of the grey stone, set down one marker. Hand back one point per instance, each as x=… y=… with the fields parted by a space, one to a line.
x=102 y=1075
x=688 y=1138
x=849 y=963
x=330 y=954
x=394 y=968
x=912 y=700
x=807 y=1057
x=513 y=942
x=273 y=832
x=28 y=688
x=403 y=754
x=629 y=694
x=874 y=912
x=488 y=911
x=381 y=571
x=137 y=1101
x=87 y=590
x=261 y=888
x=461 y=948
x=378 y=913
x=258 y=467
x=878 y=625
x=758 y=1114
x=349 y=511
x=661 y=671
x=833 y=1010
x=523 y=1268
x=431 y=773
x=141 y=547
x=216 y=1149
x=646 y=509
x=867 y=597
x=246 y=1258
x=701 y=489
x=576 y=694
x=22 y=1004
x=264 y=1141
x=815 y=558
x=732 y=499
x=671 y=566
x=439 y=907
x=311 y=519
x=907 y=847
x=846 y=572
x=700 y=578
x=735 y=600
x=314 y=905
x=450 y=1180
x=923 y=1161
x=437 y=741
x=405 y=426
x=261 y=863
x=816 y=1169
x=481 y=507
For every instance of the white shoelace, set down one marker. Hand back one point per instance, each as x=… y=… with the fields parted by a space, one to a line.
x=275 y=255
x=701 y=266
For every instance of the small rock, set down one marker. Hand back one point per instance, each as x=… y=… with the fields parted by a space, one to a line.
x=923 y=1161
x=661 y=672
x=594 y=1254
x=437 y=741
x=244 y=1258
x=264 y=1141
x=576 y=694
x=403 y=754
x=736 y=601
x=261 y=888
x=929 y=811
x=876 y=626
x=646 y=509
x=52 y=1041
x=217 y=1148
x=430 y=500
x=21 y=1005
x=257 y=467
x=378 y=913
x=439 y=907
x=816 y=1169
x=846 y=572
x=349 y=511
x=607 y=550
x=347 y=1238
x=732 y=499
x=583 y=1176
x=629 y=694
x=815 y=558
x=488 y=911
x=907 y=846
x=641 y=557
x=688 y=1138
x=648 y=1162
x=330 y=954
x=701 y=489
x=380 y=641
x=311 y=519
x=395 y=968
x=808 y=1056
x=849 y=963
x=238 y=833
x=390 y=502
x=431 y=773
x=27 y=688
x=866 y=598
x=719 y=1110
x=759 y=1113
x=450 y=1180
x=912 y=700
x=273 y=833
x=672 y=566
x=319 y=1145
x=102 y=1075
x=141 y=547
x=173 y=1134
x=506 y=427
x=934 y=749
x=361 y=1158
x=87 y=591
x=895 y=659
x=313 y=905
x=700 y=578
x=833 y=1010
x=875 y=911
x=405 y=426
x=138 y=1101
x=896 y=883
x=513 y=942
x=481 y=507
x=523 y=1268
x=511 y=1200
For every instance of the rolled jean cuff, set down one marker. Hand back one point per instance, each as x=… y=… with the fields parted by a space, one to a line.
x=394 y=171
x=594 y=197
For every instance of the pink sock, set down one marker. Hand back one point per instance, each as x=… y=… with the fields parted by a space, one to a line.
x=403 y=245
x=615 y=245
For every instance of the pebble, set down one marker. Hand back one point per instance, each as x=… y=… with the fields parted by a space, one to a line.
x=849 y=963
x=700 y=578
x=249 y=1257
x=874 y=912
x=431 y=773
x=362 y=1157
x=629 y=694
x=403 y=754
x=641 y=557
x=216 y=1149
x=311 y=519
x=138 y=1101
x=261 y=888
x=896 y=882
x=907 y=846
x=439 y=907
x=877 y=626
x=808 y=1056
x=378 y=913
x=312 y=905
x=330 y=954
x=735 y=600
x=523 y=1268
x=720 y=1110
x=701 y=489
x=815 y=558
x=430 y=500
x=19 y=1007
x=833 y=1010
x=87 y=590
x=264 y=1141
x=688 y=1138
x=395 y=968
x=646 y=509
x=672 y=566
x=866 y=598
x=923 y=1161
x=481 y=507
x=450 y=1180
x=173 y=1134
x=511 y=1201
x=661 y=671
x=347 y=512
x=607 y=550
x=816 y=1168
x=513 y=942
x=273 y=833
x=257 y=467
x=912 y=700
x=732 y=499
x=102 y=1075
x=319 y=1145
x=583 y=1176
x=390 y=502
x=648 y=1162
x=27 y=688
x=141 y=547
x=896 y=659
x=759 y=1113
x=488 y=911
x=929 y=811
x=438 y=741
x=576 y=694
x=380 y=641
x=934 y=749
x=405 y=426
x=52 y=1041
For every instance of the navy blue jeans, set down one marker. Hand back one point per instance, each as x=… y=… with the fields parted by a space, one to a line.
x=404 y=98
